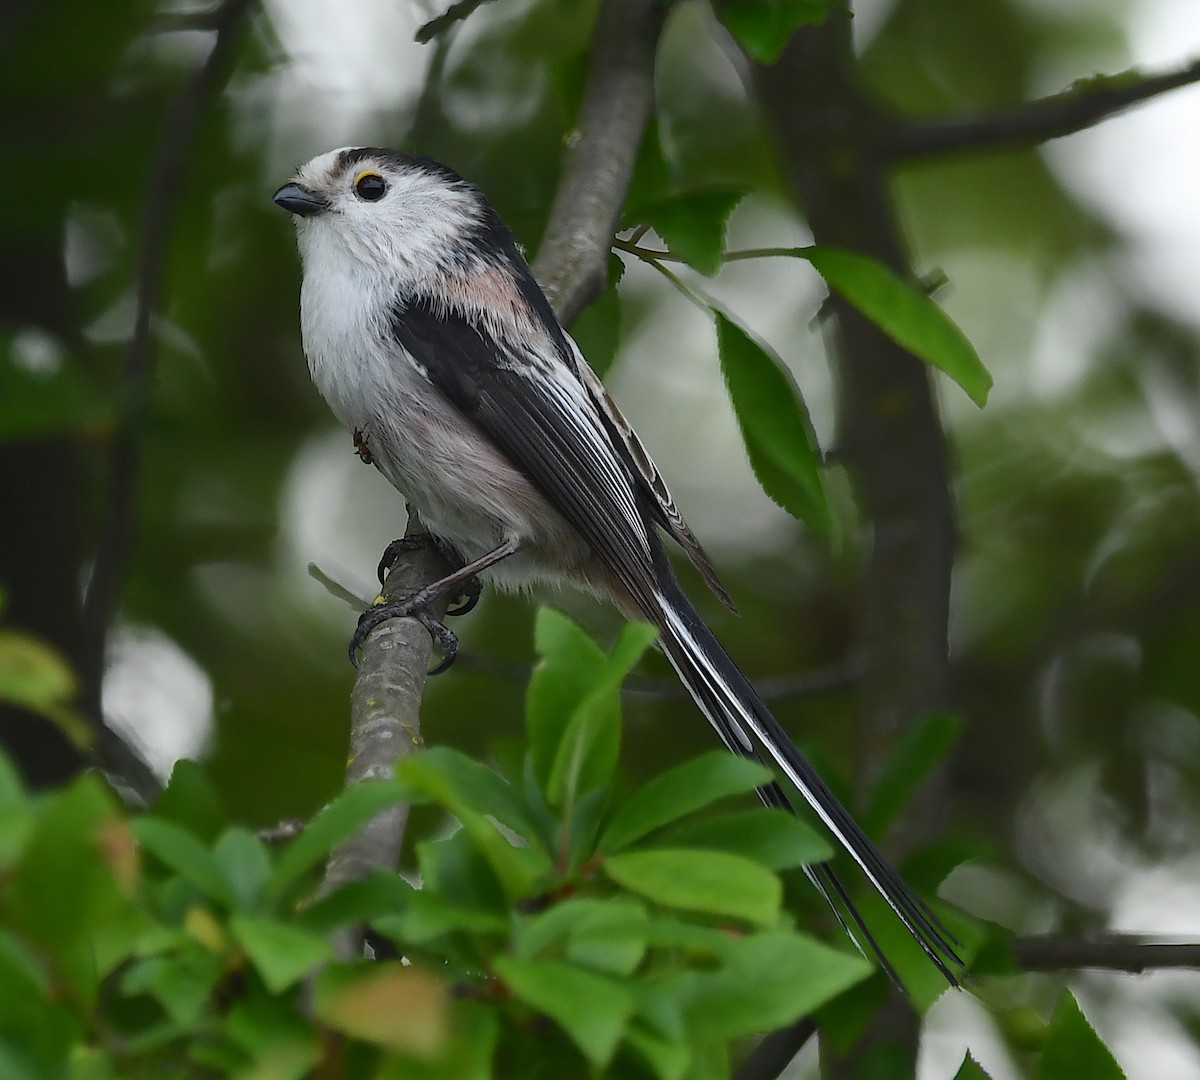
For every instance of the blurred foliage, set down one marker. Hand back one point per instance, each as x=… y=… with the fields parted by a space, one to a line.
x=557 y=930
x=1076 y=594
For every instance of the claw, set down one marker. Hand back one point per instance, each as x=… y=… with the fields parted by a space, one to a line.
x=400 y=547
x=408 y=607
x=467 y=599
x=444 y=638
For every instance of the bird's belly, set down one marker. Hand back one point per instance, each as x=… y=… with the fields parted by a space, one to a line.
x=466 y=491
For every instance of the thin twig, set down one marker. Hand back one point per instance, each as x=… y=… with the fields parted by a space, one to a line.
x=455 y=13
x=1083 y=105
x=1117 y=953
x=741 y=255
x=801 y=685
x=618 y=98
x=108 y=570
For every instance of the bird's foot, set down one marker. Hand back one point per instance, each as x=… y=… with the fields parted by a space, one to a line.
x=467 y=596
x=416 y=607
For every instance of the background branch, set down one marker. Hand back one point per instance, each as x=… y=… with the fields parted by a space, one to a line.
x=167 y=180
x=889 y=433
x=1083 y=105
x=455 y=13
x=1117 y=953
x=618 y=98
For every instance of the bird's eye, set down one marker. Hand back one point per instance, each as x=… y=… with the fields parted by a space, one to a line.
x=370 y=186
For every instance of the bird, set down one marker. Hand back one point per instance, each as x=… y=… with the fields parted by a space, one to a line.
x=428 y=336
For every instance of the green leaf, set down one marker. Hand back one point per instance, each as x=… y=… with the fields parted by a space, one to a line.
x=668 y=1058
x=455 y=871
x=16 y=814
x=764 y=27
x=693 y=226
x=426 y=918
x=591 y=741
x=190 y=800
x=468 y=1055
x=775 y=427
x=769 y=980
x=179 y=850
x=905 y=313
x=12 y=793
x=339 y=820
x=181 y=982
x=482 y=789
x=517 y=869
x=75 y=870
x=281 y=954
x=380 y=894
x=713 y=882
x=1073 y=1048
x=603 y=934
x=921 y=750
x=925 y=984
x=573 y=706
x=281 y=1041
x=775 y=838
x=399 y=1008
x=970 y=1069
x=571 y=663
x=680 y=791
x=34 y=676
x=592 y=1009
x=245 y=864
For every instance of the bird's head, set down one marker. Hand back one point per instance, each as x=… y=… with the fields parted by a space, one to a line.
x=384 y=208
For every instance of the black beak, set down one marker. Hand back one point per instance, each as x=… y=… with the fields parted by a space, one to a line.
x=299 y=200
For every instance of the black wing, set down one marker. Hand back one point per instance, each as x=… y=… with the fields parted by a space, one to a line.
x=526 y=398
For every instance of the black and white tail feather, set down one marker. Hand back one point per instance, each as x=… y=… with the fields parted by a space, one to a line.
x=426 y=332
x=736 y=712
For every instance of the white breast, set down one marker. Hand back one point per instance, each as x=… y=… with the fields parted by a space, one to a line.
x=467 y=492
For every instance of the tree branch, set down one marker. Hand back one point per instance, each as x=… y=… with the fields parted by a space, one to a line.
x=167 y=178
x=1116 y=953
x=1081 y=106
x=889 y=432
x=385 y=720
x=618 y=99
x=455 y=13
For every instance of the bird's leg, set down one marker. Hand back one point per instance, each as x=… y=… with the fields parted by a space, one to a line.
x=471 y=588
x=417 y=604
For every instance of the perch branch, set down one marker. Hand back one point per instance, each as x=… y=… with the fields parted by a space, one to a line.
x=385 y=720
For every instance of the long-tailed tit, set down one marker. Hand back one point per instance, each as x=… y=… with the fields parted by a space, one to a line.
x=430 y=339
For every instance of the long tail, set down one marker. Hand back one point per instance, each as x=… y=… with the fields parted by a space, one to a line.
x=744 y=724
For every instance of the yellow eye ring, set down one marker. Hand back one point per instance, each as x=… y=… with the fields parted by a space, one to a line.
x=370 y=186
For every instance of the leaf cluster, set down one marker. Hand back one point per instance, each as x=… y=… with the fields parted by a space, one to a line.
x=557 y=930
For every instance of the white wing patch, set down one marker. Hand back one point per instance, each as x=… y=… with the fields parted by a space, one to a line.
x=586 y=425
x=651 y=479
